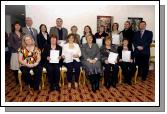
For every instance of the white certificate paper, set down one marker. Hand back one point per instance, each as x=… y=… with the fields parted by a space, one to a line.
x=112 y=57
x=126 y=55
x=99 y=41
x=61 y=42
x=115 y=39
x=84 y=40
x=54 y=56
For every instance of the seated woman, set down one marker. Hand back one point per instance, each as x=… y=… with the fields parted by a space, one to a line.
x=111 y=70
x=91 y=62
x=71 y=54
x=29 y=58
x=128 y=67
x=53 y=68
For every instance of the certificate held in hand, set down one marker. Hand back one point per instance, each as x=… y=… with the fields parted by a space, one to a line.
x=126 y=55
x=112 y=57
x=54 y=56
x=99 y=41
x=115 y=39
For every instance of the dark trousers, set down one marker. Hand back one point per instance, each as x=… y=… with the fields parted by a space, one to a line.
x=111 y=74
x=70 y=67
x=94 y=80
x=53 y=72
x=128 y=70
x=34 y=83
x=142 y=60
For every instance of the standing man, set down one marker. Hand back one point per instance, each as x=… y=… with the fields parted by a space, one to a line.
x=141 y=41
x=60 y=31
x=29 y=29
x=128 y=33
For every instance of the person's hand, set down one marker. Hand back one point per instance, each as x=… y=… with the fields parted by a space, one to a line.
x=120 y=60
x=139 y=48
x=63 y=56
x=35 y=64
x=29 y=65
x=48 y=58
x=106 y=61
x=94 y=61
x=59 y=57
x=76 y=56
x=115 y=61
x=131 y=60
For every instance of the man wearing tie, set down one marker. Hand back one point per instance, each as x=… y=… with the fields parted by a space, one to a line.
x=29 y=30
x=141 y=41
x=60 y=31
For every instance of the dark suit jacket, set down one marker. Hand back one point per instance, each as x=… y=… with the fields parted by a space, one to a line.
x=26 y=31
x=54 y=30
x=42 y=41
x=145 y=41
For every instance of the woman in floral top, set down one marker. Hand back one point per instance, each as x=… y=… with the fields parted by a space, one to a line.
x=29 y=58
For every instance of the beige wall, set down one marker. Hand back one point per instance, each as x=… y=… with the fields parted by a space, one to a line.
x=86 y=15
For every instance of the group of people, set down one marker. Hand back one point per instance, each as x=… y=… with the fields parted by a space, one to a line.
x=31 y=51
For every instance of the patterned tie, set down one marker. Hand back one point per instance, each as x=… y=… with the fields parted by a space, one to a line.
x=31 y=32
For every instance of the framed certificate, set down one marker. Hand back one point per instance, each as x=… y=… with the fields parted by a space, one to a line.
x=54 y=56
x=112 y=57
x=126 y=56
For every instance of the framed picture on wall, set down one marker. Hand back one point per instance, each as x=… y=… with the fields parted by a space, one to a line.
x=106 y=21
x=135 y=22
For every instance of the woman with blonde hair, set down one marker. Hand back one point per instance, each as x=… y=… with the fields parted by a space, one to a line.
x=29 y=59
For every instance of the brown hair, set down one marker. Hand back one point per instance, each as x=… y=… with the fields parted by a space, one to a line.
x=107 y=38
x=116 y=25
x=71 y=34
x=89 y=29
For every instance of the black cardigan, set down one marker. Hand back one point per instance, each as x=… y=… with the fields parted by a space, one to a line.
x=46 y=53
x=120 y=48
x=42 y=41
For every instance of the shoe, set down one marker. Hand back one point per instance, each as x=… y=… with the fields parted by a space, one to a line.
x=76 y=85
x=69 y=85
x=94 y=87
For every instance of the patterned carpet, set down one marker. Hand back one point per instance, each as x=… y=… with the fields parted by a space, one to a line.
x=140 y=92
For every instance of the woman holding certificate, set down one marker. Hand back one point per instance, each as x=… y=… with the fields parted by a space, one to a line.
x=109 y=58
x=100 y=36
x=116 y=35
x=126 y=61
x=91 y=62
x=87 y=32
x=29 y=58
x=51 y=56
x=71 y=54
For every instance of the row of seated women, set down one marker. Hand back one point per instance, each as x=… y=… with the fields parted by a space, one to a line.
x=90 y=57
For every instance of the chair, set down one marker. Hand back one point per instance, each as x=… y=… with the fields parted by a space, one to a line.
x=43 y=78
x=120 y=75
x=152 y=54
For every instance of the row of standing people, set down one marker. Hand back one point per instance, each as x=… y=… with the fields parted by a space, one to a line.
x=141 y=44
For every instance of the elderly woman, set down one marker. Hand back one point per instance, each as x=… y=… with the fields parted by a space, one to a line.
x=29 y=58
x=111 y=70
x=71 y=54
x=53 y=68
x=91 y=62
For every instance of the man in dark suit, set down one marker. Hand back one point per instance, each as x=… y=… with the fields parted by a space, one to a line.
x=141 y=41
x=60 y=31
x=30 y=30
